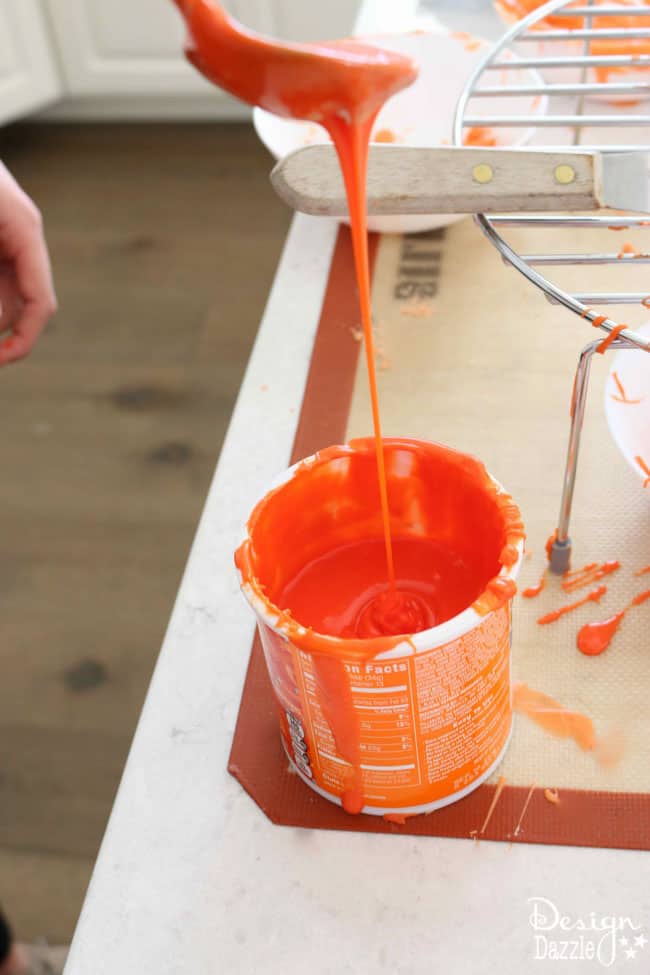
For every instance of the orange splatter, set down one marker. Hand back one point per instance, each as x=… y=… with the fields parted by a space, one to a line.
x=533 y=591
x=550 y=542
x=627 y=250
x=399 y=819
x=610 y=749
x=470 y=43
x=480 y=135
x=613 y=335
x=553 y=717
x=552 y=795
x=417 y=310
x=594 y=638
x=643 y=571
x=644 y=467
x=356 y=333
x=384 y=135
x=622 y=398
x=593 y=597
x=646 y=301
x=588 y=574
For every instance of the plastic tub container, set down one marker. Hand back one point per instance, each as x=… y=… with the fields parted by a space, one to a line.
x=389 y=724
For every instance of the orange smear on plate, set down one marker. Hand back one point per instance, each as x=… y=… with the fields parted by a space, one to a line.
x=622 y=397
x=643 y=571
x=470 y=42
x=480 y=135
x=553 y=796
x=593 y=597
x=588 y=574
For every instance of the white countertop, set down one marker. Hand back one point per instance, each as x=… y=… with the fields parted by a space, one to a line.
x=192 y=877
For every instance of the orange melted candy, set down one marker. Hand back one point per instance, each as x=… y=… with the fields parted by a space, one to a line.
x=533 y=591
x=592 y=597
x=646 y=470
x=613 y=335
x=553 y=717
x=384 y=135
x=622 y=398
x=341 y=85
x=589 y=573
x=480 y=135
x=594 y=638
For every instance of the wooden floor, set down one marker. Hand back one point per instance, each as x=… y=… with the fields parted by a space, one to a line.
x=164 y=241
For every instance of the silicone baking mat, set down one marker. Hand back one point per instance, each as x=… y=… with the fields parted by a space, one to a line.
x=472 y=356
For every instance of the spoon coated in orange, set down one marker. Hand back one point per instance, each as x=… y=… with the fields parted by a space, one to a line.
x=314 y=81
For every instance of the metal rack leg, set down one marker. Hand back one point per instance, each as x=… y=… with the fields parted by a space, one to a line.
x=560 y=554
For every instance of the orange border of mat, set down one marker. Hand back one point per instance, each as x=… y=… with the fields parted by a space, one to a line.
x=582 y=818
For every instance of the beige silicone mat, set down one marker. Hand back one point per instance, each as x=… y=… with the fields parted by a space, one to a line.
x=475 y=357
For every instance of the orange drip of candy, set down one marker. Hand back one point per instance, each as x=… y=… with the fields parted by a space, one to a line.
x=622 y=397
x=627 y=250
x=533 y=591
x=644 y=467
x=613 y=335
x=594 y=638
x=588 y=574
x=592 y=597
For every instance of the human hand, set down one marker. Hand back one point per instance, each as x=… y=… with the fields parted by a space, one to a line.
x=27 y=298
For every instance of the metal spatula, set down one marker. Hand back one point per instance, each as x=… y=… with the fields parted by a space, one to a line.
x=405 y=179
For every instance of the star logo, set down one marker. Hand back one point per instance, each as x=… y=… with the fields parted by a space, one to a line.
x=630 y=952
x=640 y=941
x=623 y=941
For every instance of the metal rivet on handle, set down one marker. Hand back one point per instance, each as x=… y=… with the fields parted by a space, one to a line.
x=482 y=173
x=564 y=174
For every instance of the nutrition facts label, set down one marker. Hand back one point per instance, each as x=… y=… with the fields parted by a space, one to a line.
x=429 y=723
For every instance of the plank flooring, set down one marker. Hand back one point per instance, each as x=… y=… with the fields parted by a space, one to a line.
x=164 y=240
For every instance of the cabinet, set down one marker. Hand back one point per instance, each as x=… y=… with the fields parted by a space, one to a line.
x=29 y=78
x=123 y=58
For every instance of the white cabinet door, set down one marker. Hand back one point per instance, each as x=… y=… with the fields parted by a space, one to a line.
x=28 y=75
x=130 y=49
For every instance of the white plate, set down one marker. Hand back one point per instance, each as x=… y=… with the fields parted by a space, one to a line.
x=629 y=423
x=423 y=114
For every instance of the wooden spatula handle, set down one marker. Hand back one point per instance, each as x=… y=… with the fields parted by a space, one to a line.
x=404 y=179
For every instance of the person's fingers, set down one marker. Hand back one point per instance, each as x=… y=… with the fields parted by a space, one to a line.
x=34 y=283
x=23 y=247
